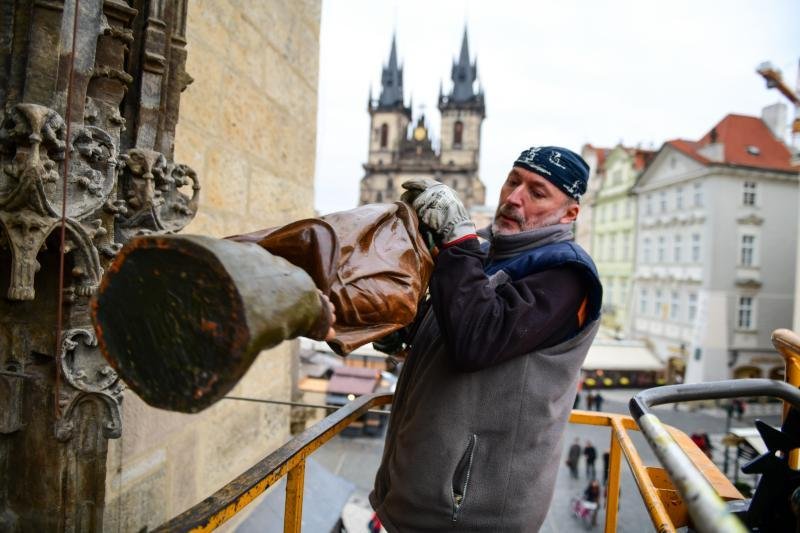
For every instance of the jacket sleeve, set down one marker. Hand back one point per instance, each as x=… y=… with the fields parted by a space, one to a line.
x=483 y=326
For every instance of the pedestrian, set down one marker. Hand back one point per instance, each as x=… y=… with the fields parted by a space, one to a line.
x=590 y=400
x=606 y=460
x=590 y=453
x=577 y=402
x=598 y=401
x=592 y=495
x=738 y=408
x=574 y=457
x=506 y=329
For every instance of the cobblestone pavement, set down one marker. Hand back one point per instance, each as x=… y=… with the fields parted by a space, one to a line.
x=356 y=459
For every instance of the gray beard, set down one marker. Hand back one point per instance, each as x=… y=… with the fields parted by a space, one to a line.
x=547 y=221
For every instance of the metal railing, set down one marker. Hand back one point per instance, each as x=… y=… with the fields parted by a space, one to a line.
x=664 y=502
x=664 y=506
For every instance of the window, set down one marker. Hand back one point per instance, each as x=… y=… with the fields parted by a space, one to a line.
x=663 y=201
x=628 y=208
x=745 y=314
x=623 y=290
x=749 y=194
x=675 y=306
x=695 y=247
x=384 y=135
x=747 y=251
x=616 y=176
x=643 y=297
x=698 y=195
x=657 y=303
x=615 y=211
x=646 y=250
x=692 y=306
x=458 y=132
x=648 y=204
x=661 y=249
x=601 y=247
x=610 y=291
x=676 y=248
x=679 y=198
x=626 y=245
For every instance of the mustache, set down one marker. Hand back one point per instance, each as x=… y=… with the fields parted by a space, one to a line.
x=509 y=212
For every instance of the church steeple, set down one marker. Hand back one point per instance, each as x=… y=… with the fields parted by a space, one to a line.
x=464 y=74
x=391 y=81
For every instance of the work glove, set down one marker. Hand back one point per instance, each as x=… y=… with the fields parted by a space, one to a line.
x=439 y=208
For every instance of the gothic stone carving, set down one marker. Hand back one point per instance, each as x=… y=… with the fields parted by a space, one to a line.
x=111 y=172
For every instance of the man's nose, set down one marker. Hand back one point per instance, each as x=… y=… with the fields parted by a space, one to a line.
x=516 y=196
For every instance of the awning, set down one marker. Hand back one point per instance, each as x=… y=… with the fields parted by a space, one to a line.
x=350 y=380
x=752 y=437
x=622 y=356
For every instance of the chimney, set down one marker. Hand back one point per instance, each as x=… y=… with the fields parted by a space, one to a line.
x=775 y=116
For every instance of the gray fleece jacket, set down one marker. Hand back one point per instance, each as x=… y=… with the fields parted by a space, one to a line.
x=476 y=451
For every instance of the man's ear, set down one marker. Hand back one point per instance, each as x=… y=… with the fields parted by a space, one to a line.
x=571 y=213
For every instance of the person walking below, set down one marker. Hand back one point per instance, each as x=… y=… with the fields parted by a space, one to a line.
x=592 y=495
x=589 y=400
x=573 y=457
x=598 y=402
x=590 y=453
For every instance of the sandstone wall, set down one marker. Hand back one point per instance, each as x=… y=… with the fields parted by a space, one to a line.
x=248 y=127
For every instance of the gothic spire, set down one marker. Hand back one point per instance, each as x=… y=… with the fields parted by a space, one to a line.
x=463 y=74
x=392 y=81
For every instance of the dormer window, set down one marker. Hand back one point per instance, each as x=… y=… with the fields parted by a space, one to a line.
x=753 y=150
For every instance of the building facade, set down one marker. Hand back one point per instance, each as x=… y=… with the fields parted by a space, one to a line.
x=397 y=154
x=614 y=233
x=584 y=226
x=717 y=232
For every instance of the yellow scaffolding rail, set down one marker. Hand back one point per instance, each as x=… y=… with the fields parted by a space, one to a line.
x=663 y=502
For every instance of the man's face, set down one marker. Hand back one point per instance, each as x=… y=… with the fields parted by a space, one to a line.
x=528 y=201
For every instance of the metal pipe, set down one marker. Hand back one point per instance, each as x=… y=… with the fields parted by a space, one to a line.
x=658 y=513
x=708 y=511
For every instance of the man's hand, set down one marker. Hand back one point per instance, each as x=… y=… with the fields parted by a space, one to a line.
x=439 y=208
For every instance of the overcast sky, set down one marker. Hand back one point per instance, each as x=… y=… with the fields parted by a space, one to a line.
x=563 y=73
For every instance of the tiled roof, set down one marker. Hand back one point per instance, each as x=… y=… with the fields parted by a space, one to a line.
x=746 y=141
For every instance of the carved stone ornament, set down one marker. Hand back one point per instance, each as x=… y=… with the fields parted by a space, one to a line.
x=87 y=129
x=152 y=196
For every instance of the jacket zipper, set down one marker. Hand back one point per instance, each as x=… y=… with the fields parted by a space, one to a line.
x=460 y=492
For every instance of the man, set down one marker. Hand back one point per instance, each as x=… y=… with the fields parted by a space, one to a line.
x=475 y=437
x=590 y=452
x=573 y=457
x=598 y=402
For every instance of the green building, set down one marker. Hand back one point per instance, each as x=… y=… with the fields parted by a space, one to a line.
x=614 y=233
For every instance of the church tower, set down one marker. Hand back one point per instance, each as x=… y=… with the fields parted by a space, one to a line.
x=389 y=119
x=463 y=111
x=397 y=155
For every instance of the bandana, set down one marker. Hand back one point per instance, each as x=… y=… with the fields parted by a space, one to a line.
x=563 y=168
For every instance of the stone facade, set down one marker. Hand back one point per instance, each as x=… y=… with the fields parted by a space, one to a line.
x=248 y=127
x=397 y=155
x=715 y=251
